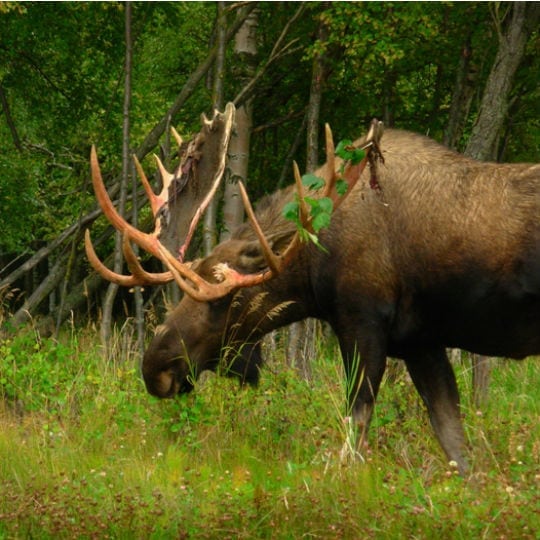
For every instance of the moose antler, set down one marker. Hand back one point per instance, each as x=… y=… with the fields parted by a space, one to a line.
x=187 y=279
x=351 y=174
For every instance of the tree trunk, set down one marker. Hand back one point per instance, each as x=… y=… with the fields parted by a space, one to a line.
x=210 y=218
x=461 y=97
x=523 y=18
x=245 y=53
x=108 y=302
x=301 y=348
x=138 y=300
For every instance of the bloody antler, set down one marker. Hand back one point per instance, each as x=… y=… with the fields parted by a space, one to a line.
x=187 y=279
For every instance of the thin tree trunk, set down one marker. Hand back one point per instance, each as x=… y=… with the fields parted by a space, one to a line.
x=210 y=217
x=108 y=302
x=245 y=52
x=301 y=348
x=286 y=170
x=461 y=97
x=138 y=300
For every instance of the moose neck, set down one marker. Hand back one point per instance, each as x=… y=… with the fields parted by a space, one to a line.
x=256 y=311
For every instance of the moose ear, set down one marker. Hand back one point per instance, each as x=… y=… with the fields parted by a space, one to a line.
x=251 y=258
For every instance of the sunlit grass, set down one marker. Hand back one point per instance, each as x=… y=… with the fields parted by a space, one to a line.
x=85 y=452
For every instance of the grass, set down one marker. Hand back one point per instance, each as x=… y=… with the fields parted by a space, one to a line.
x=86 y=453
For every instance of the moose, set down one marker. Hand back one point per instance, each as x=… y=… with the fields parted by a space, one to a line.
x=426 y=250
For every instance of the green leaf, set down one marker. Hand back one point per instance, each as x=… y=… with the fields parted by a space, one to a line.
x=341 y=148
x=321 y=221
x=341 y=187
x=312 y=182
x=346 y=151
x=291 y=211
x=325 y=205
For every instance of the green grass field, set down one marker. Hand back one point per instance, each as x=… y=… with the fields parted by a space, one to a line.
x=86 y=453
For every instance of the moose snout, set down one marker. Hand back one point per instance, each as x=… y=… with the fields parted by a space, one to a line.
x=162 y=384
x=167 y=383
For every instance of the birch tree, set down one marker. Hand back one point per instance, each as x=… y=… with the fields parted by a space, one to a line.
x=245 y=51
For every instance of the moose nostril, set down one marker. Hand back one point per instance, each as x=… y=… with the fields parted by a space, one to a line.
x=165 y=384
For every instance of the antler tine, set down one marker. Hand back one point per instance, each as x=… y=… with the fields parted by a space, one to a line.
x=166 y=176
x=140 y=275
x=101 y=269
x=148 y=242
x=271 y=259
x=156 y=201
x=330 y=162
x=177 y=137
x=304 y=212
x=102 y=196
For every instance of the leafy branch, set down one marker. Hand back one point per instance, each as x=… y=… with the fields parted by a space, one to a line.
x=320 y=208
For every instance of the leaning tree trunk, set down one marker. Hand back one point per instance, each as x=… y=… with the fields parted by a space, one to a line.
x=245 y=53
x=522 y=18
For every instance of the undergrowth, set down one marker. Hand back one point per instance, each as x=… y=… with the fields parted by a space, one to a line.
x=86 y=453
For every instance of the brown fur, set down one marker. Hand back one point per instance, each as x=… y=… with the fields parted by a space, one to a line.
x=447 y=254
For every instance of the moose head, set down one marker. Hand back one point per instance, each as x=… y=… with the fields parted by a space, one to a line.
x=227 y=306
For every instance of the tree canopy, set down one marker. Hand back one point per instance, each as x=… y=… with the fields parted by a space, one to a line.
x=61 y=90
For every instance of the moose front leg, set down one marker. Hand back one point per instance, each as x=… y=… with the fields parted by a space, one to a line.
x=364 y=368
x=435 y=381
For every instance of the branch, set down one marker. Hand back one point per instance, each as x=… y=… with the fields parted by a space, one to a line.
x=278 y=51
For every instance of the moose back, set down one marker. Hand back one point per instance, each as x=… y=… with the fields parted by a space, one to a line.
x=428 y=250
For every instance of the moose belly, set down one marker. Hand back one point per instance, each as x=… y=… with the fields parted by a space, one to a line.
x=494 y=319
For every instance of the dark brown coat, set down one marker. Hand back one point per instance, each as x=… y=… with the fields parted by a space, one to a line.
x=446 y=255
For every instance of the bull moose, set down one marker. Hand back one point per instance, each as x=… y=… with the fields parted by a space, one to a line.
x=427 y=249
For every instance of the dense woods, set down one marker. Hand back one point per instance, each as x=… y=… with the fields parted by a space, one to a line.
x=120 y=75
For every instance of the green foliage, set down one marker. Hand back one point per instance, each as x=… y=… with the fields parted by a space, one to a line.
x=349 y=153
x=61 y=70
x=89 y=454
x=321 y=208
x=320 y=211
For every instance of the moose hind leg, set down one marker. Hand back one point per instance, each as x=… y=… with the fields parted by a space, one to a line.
x=435 y=381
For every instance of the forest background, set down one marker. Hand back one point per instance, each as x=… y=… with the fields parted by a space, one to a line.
x=465 y=74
